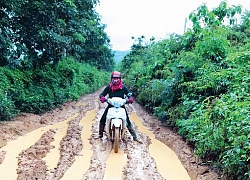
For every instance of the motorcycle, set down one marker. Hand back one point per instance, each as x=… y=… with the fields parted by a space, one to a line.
x=116 y=121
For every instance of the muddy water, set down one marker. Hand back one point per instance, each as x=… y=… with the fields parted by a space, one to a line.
x=52 y=158
x=13 y=148
x=167 y=162
x=81 y=165
x=114 y=165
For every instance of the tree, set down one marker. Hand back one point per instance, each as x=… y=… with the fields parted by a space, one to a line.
x=44 y=31
x=208 y=27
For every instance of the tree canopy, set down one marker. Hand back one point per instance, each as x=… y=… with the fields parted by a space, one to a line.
x=34 y=33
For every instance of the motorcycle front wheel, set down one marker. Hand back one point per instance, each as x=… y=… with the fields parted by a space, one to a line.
x=116 y=139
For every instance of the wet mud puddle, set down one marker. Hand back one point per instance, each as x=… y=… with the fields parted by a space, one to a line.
x=114 y=165
x=167 y=163
x=8 y=170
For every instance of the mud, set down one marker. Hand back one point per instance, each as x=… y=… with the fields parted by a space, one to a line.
x=68 y=150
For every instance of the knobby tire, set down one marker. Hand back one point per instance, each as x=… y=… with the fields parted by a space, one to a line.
x=116 y=139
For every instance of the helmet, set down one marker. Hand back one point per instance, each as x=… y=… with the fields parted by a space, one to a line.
x=116 y=78
x=116 y=74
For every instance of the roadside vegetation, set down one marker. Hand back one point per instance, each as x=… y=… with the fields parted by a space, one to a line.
x=50 y=53
x=198 y=83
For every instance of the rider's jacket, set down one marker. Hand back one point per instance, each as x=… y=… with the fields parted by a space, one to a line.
x=116 y=93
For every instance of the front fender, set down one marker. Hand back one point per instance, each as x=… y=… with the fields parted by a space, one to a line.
x=116 y=122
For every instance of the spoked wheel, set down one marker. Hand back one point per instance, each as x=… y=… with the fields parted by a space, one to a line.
x=116 y=139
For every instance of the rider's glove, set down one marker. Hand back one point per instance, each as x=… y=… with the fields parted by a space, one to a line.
x=130 y=100
x=102 y=99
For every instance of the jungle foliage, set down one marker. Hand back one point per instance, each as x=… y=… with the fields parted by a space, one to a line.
x=198 y=83
x=51 y=52
x=34 y=33
x=38 y=91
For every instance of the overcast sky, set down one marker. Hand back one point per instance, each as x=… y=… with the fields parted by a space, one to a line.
x=157 y=18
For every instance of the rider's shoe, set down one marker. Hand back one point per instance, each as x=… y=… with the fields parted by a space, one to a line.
x=97 y=137
x=136 y=139
x=100 y=136
x=101 y=130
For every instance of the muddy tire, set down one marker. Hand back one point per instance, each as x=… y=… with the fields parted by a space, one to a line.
x=116 y=139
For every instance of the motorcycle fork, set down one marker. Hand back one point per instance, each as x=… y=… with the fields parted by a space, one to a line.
x=113 y=133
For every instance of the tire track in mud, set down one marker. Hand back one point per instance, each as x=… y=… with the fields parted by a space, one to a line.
x=61 y=129
x=138 y=164
x=70 y=147
x=81 y=165
x=31 y=164
x=73 y=144
x=165 y=160
x=101 y=151
x=13 y=160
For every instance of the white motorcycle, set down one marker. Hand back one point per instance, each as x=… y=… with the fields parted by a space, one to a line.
x=116 y=121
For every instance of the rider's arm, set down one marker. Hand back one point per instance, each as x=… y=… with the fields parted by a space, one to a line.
x=104 y=92
x=128 y=94
x=126 y=91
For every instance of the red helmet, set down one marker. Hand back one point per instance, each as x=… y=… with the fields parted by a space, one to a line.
x=116 y=78
x=116 y=74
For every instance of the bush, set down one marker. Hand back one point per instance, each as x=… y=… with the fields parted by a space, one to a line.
x=8 y=109
x=41 y=90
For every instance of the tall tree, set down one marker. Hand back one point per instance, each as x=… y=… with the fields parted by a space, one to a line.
x=43 y=31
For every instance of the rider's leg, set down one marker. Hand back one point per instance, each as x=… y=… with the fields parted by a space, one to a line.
x=101 y=130
x=133 y=133
x=131 y=129
x=102 y=123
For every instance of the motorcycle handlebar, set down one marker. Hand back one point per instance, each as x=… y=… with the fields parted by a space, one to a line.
x=107 y=101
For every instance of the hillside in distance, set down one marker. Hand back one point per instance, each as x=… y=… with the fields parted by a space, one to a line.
x=119 y=55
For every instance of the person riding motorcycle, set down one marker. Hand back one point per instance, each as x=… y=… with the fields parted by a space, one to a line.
x=116 y=89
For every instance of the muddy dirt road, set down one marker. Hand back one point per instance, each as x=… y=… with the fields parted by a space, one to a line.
x=62 y=144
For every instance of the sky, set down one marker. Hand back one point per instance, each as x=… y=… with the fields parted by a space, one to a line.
x=152 y=18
